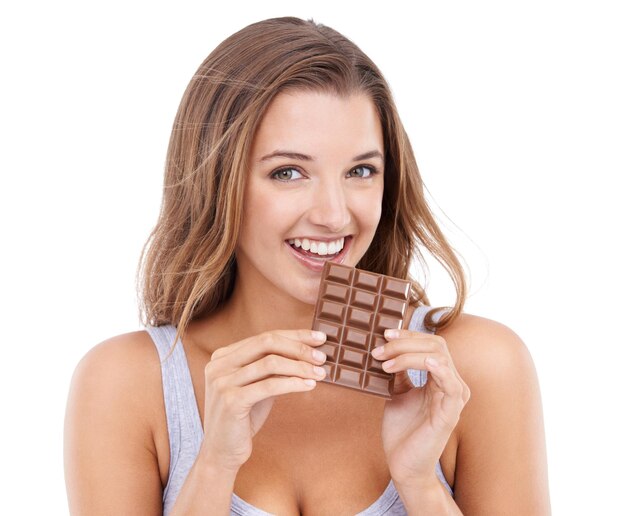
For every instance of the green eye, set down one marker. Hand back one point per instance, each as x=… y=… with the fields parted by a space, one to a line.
x=285 y=174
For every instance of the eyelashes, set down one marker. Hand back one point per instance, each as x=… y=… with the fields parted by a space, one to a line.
x=372 y=171
x=285 y=174
x=276 y=174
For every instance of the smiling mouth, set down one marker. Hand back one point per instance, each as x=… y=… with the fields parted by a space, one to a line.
x=319 y=250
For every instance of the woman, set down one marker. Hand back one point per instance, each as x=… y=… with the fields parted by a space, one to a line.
x=287 y=151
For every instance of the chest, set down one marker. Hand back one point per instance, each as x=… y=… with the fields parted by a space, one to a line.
x=318 y=453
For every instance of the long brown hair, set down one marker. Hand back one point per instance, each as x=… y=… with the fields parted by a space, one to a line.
x=187 y=266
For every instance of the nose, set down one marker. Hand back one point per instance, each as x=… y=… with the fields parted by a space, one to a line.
x=329 y=206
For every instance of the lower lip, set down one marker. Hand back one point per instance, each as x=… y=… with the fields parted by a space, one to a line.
x=317 y=265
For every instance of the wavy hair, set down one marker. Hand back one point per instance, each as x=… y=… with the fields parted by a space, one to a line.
x=187 y=266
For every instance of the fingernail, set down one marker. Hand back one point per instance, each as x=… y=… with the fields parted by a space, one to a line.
x=377 y=352
x=319 y=371
x=392 y=334
x=318 y=336
x=431 y=362
x=387 y=365
x=318 y=355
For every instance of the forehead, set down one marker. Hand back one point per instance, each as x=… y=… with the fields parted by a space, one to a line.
x=319 y=122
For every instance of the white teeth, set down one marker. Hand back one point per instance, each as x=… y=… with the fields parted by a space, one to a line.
x=321 y=248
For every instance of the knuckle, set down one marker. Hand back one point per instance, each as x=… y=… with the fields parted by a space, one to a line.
x=467 y=394
x=217 y=386
x=266 y=387
x=458 y=390
x=270 y=362
x=443 y=360
x=209 y=370
x=440 y=341
x=219 y=352
x=303 y=350
x=267 y=339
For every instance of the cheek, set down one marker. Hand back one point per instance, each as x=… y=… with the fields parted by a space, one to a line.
x=266 y=212
x=258 y=204
x=368 y=208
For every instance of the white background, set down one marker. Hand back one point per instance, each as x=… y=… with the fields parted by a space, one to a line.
x=517 y=114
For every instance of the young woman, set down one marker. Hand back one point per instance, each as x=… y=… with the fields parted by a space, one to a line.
x=287 y=151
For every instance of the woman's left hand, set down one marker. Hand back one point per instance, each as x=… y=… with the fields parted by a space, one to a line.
x=418 y=421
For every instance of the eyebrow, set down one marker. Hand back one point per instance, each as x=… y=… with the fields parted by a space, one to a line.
x=304 y=157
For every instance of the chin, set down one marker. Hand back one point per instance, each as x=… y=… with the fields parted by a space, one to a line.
x=307 y=297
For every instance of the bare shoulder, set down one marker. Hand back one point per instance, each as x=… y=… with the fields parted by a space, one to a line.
x=122 y=374
x=121 y=362
x=114 y=406
x=486 y=351
x=501 y=465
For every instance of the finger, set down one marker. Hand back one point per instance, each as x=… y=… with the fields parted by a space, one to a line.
x=274 y=386
x=275 y=365
x=452 y=387
x=393 y=334
x=310 y=337
x=397 y=347
x=258 y=346
x=413 y=361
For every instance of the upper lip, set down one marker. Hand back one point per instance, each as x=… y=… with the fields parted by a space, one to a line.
x=319 y=239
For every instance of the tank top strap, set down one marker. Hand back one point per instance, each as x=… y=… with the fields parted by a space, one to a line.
x=183 y=420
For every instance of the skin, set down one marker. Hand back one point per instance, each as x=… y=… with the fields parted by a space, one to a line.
x=480 y=412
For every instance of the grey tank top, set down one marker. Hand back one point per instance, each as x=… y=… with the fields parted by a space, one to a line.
x=185 y=428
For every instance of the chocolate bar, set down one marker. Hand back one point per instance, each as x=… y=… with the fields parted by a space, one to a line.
x=354 y=308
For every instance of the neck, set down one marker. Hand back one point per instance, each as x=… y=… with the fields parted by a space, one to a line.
x=256 y=309
x=254 y=306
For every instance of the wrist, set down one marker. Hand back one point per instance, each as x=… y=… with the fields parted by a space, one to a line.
x=422 y=483
x=214 y=465
x=425 y=496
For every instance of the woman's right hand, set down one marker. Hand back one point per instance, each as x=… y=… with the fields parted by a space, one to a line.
x=241 y=383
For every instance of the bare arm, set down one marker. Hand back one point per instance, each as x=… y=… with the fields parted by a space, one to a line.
x=111 y=464
x=110 y=459
x=114 y=410
x=428 y=500
x=206 y=490
x=501 y=465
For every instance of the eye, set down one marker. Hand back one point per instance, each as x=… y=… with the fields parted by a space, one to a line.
x=363 y=171
x=285 y=174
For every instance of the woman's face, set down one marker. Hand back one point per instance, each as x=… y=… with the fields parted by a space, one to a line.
x=313 y=192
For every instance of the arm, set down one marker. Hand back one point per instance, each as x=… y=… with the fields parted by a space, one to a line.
x=206 y=490
x=115 y=411
x=501 y=465
x=427 y=499
x=111 y=456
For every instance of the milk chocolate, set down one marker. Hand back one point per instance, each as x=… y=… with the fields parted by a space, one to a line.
x=354 y=308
